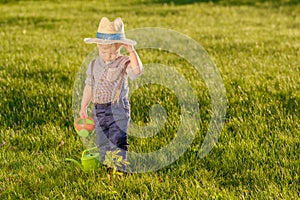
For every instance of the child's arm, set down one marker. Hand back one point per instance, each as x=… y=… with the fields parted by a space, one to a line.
x=135 y=62
x=86 y=99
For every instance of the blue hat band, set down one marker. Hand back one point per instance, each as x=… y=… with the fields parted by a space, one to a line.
x=106 y=36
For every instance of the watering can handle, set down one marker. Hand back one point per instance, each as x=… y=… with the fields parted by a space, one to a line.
x=87 y=150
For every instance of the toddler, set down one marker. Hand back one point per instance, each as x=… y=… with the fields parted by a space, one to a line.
x=106 y=86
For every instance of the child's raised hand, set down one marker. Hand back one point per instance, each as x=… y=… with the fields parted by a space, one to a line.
x=128 y=47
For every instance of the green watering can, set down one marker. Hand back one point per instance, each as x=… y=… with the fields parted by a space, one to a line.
x=89 y=161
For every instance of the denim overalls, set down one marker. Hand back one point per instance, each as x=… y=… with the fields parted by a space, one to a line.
x=111 y=119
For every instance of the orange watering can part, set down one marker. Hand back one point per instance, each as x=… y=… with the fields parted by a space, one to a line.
x=87 y=124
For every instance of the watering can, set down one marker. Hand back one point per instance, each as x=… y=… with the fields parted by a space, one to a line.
x=84 y=127
x=89 y=161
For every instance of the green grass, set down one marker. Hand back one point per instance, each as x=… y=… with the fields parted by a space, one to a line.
x=255 y=45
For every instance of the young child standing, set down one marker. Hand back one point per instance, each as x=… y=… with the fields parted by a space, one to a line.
x=106 y=86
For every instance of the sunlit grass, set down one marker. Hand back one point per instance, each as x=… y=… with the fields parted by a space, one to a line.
x=254 y=45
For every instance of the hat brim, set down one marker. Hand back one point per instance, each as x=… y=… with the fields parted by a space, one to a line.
x=102 y=41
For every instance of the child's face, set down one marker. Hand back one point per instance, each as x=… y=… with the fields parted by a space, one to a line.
x=108 y=52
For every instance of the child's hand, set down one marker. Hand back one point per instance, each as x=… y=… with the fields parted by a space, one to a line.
x=83 y=113
x=128 y=47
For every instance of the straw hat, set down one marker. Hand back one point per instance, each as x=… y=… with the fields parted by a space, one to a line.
x=110 y=32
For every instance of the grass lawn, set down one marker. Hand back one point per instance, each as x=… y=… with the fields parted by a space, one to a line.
x=255 y=46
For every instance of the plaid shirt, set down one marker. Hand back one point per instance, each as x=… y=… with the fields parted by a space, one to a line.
x=105 y=78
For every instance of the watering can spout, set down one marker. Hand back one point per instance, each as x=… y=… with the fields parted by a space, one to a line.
x=76 y=162
x=89 y=161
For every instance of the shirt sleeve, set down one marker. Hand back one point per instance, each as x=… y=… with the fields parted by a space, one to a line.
x=89 y=77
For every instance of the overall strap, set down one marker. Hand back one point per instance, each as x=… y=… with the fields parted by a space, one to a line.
x=92 y=70
x=118 y=91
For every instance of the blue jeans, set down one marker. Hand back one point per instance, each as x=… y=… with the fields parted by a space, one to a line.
x=112 y=123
